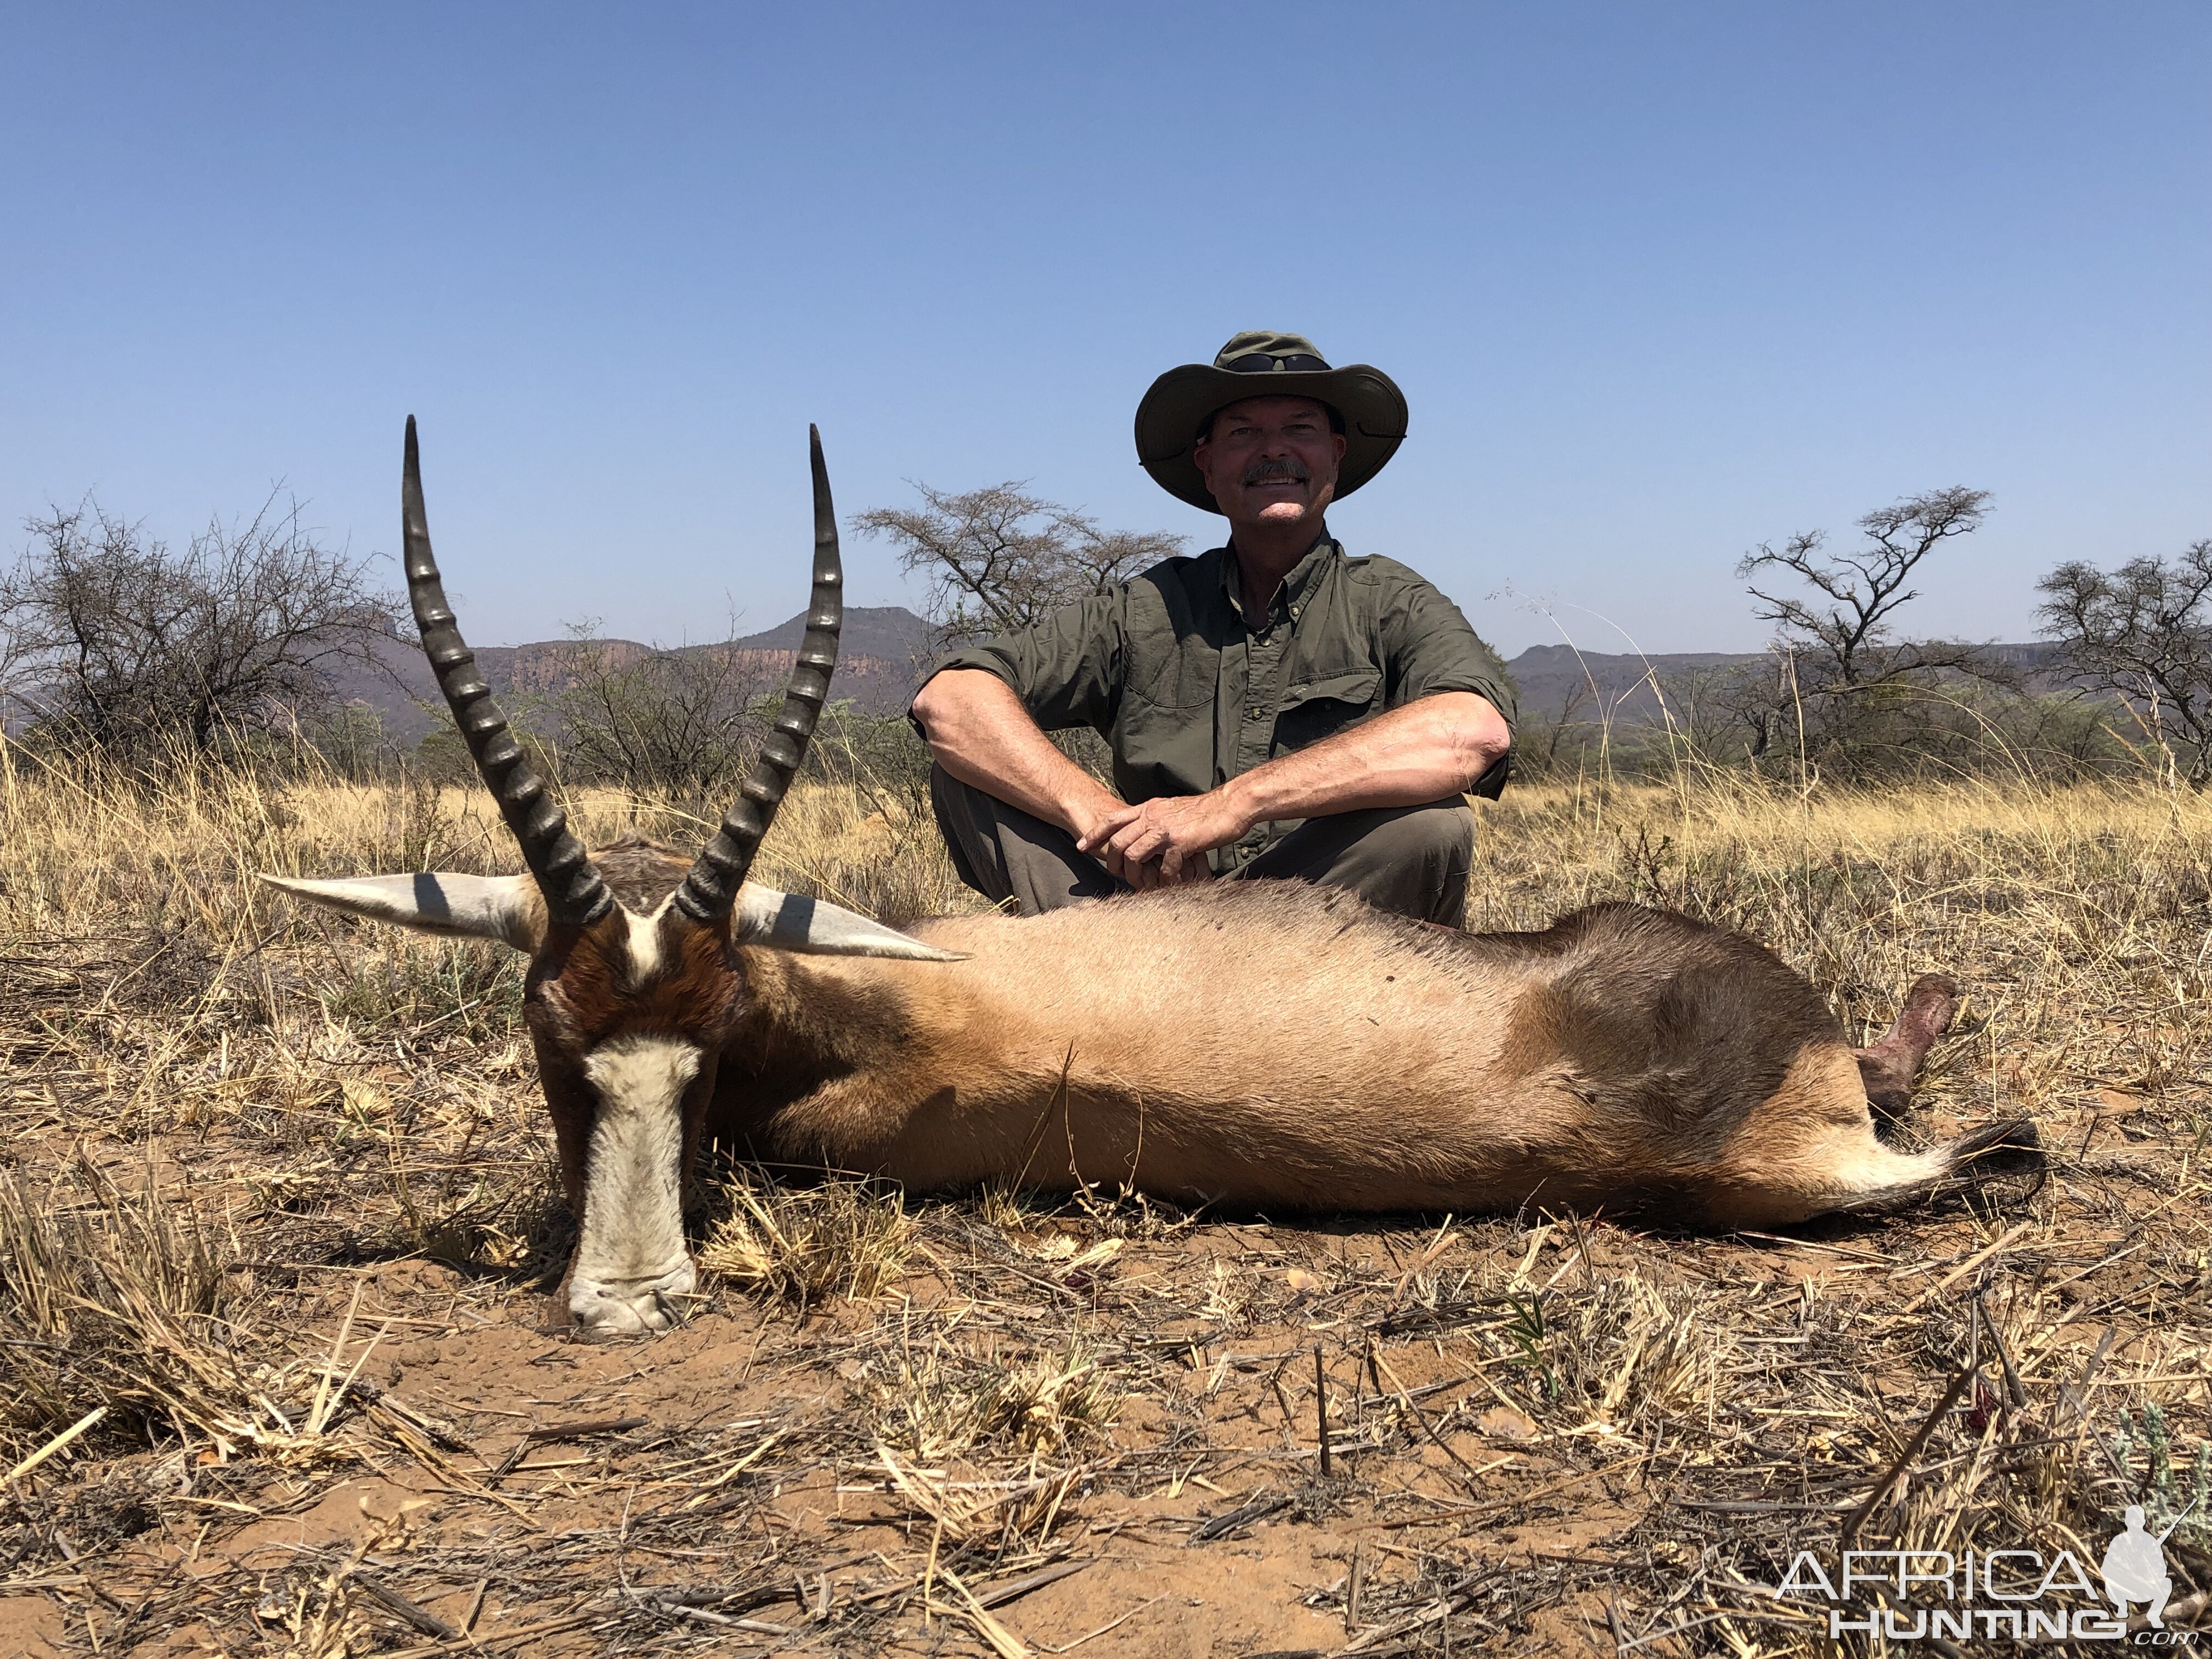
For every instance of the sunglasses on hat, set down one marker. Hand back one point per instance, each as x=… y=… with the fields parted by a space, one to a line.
x=1261 y=362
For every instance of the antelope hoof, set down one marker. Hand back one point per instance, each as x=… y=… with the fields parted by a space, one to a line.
x=631 y=1307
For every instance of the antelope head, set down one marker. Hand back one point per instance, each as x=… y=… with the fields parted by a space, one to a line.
x=630 y=1002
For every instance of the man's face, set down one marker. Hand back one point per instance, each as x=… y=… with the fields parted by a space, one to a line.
x=1271 y=460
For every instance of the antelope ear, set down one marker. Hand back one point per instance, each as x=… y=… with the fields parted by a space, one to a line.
x=509 y=909
x=816 y=927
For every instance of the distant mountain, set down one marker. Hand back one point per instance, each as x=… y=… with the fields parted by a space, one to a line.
x=878 y=661
x=890 y=632
x=883 y=650
x=1556 y=681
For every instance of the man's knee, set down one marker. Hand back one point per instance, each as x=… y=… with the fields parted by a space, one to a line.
x=1412 y=860
x=1416 y=863
x=1004 y=853
x=964 y=820
x=1439 y=836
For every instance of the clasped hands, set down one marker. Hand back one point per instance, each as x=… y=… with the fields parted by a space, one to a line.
x=1163 y=841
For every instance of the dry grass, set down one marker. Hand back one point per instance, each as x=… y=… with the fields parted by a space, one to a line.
x=950 y=1400
x=115 y=1301
x=278 y=1199
x=840 y=1239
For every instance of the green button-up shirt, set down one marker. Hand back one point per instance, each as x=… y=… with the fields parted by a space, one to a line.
x=1188 y=692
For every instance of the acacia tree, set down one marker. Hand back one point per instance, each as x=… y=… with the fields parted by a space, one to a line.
x=1845 y=633
x=2144 y=633
x=1837 y=669
x=117 y=640
x=999 y=558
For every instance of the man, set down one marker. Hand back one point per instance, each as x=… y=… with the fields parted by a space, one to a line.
x=1274 y=706
x=2135 y=1569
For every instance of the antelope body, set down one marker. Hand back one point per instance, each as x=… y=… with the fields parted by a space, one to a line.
x=1256 y=1045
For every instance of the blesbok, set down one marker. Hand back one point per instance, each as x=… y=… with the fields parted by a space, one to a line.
x=1260 y=1045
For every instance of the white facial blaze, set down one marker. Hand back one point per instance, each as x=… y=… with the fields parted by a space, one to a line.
x=631 y=1259
x=645 y=964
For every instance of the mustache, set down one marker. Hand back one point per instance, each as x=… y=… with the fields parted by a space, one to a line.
x=1280 y=467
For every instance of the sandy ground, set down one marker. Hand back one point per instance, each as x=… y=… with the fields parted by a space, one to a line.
x=277 y=1204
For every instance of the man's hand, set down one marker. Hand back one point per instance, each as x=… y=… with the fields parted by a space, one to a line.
x=1163 y=841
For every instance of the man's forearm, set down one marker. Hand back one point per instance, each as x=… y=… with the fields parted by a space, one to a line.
x=1439 y=746
x=979 y=732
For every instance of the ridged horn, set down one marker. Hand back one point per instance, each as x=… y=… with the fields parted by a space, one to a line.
x=575 y=895
x=711 y=888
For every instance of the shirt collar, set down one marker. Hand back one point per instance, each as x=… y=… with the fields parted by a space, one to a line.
x=1290 y=599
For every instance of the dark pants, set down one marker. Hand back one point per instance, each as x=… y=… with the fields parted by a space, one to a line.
x=1412 y=860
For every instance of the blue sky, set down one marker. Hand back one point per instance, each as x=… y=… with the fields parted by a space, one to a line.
x=1659 y=280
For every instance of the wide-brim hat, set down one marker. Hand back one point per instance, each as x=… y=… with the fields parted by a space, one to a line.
x=1262 y=364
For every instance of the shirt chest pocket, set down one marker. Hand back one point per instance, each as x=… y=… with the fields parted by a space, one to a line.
x=1179 y=682
x=1315 y=708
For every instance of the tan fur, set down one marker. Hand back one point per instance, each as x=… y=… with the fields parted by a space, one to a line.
x=1267 y=1046
x=1283 y=1047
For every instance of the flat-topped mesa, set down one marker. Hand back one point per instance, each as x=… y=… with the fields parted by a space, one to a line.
x=1254 y=1045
